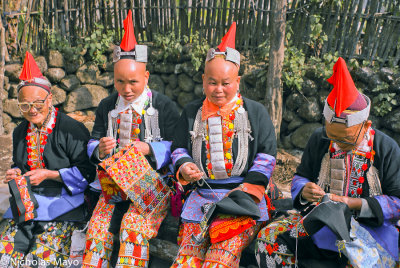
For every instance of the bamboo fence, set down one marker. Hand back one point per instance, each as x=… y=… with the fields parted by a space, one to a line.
x=364 y=29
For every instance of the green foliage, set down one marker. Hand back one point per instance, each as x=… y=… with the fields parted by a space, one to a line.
x=98 y=43
x=293 y=68
x=199 y=48
x=172 y=47
x=58 y=42
x=384 y=101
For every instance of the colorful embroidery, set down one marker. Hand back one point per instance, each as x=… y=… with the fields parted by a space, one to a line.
x=35 y=148
x=131 y=171
x=223 y=254
x=357 y=167
x=134 y=235
x=275 y=254
x=224 y=227
x=26 y=199
x=52 y=245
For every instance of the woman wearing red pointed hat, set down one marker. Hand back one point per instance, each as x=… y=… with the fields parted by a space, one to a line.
x=224 y=148
x=47 y=180
x=138 y=123
x=347 y=162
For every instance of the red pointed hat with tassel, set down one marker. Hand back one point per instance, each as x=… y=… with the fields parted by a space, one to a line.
x=229 y=39
x=226 y=47
x=129 y=48
x=31 y=74
x=345 y=104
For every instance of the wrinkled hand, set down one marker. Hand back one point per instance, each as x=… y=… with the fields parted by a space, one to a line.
x=38 y=175
x=353 y=203
x=142 y=147
x=106 y=146
x=312 y=192
x=191 y=173
x=12 y=174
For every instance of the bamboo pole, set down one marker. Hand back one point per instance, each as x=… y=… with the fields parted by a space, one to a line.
x=23 y=46
x=360 y=25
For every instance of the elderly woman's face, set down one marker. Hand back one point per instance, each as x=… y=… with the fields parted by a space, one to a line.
x=130 y=78
x=340 y=132
x=220 y=81
x=36 y=114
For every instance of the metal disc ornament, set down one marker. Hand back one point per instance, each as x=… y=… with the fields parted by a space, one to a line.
x=240 y=110
x=151 y=111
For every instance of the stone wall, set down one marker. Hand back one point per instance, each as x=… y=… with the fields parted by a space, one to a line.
x=302 y=112
x=79 y=86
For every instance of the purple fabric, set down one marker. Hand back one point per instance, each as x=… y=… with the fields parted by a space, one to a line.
x=53 y=207
x=390 y=206
x=73 y=180
x=325 y=239
x=298 y=183
x=358 y=105
x=178 y=154
x=92 y=144
x=192 y=207
x=386 y=235
x=264 y=164
x=161 y=153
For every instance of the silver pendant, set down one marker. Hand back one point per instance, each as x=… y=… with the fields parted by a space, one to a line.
x=151 y=111
x=240 y=110
x=114 y=113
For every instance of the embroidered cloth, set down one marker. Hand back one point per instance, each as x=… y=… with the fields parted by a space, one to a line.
x=132 y=173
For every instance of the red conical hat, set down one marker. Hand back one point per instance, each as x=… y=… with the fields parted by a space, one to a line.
x=30 y=70
x=344 y=92
x=128 y=42
x=229 y=39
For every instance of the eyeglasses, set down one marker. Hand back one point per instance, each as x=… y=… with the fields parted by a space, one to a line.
x=346 y=142
x=27 y=106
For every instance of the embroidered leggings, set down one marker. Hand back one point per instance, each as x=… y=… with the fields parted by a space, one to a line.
x=222 y=254
x=41 y=244
x=276 y=245
x=134 y=234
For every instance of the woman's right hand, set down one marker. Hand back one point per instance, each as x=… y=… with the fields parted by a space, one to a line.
x=12 y=174
x=106 y=146
x=190 y=172
x=312 y=192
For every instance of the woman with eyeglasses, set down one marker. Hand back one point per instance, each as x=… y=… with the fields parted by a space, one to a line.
x=49 y=175
x=347 y=185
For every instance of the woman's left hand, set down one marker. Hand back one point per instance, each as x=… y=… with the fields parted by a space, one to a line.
x=142 y=147
x=353 y=203
x=36 y=176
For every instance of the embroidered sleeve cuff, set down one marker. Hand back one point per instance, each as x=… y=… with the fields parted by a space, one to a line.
x=92 y=145
x=264 y=164
x=73 y=180
x=161 y=153
x=257 y=191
